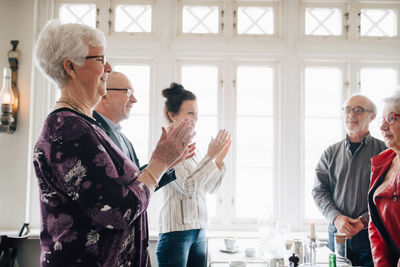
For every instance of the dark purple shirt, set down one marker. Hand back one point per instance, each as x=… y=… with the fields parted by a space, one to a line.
x=93 y=210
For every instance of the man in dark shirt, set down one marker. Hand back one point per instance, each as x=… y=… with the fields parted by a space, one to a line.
x=115 y=107
x=342 y=180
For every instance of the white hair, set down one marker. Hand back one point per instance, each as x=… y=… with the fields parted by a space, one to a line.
x=392 y=102
x=58 y=41
x=372 y=104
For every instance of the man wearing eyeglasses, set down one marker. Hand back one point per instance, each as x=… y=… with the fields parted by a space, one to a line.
x=115 y=107
x=342 y=180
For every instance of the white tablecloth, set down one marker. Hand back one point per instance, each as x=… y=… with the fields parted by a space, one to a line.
x=217 y=258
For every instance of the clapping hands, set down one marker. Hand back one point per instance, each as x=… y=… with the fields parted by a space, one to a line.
x=175 y=143
x=219 y=147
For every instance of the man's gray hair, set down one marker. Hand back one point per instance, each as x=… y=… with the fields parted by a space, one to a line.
x=372 y=104
x=58 y=41
x=393 y=101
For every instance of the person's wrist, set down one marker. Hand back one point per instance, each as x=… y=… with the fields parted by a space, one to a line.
x=220 y=165
x=363 y=221
x=158 y=166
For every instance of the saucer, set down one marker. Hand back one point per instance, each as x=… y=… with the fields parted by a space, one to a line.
x=229 y=251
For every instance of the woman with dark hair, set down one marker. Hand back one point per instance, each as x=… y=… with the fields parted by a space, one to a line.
x=183 y=215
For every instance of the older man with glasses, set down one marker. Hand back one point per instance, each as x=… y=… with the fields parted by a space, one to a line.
x=342 y=180
x=114 y=108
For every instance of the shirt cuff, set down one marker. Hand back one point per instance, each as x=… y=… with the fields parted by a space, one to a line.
x=332 y=214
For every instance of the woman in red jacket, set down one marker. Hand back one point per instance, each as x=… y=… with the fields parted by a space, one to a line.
x=384 y=191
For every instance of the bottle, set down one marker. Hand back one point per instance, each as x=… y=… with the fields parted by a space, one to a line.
x=6 y=98
x=332 y=260
x=293 y=261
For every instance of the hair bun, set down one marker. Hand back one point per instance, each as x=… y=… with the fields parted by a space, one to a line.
x=173 y=90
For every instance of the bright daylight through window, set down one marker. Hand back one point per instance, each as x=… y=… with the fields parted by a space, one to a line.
x=274 y=73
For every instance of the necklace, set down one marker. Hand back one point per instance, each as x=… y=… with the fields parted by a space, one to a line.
x=72 y=106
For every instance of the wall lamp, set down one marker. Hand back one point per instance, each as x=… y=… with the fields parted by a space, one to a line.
x=9 y=93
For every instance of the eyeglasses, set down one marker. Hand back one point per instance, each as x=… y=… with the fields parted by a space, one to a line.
x=390 y=118
x=129 y=92
x=101 y=58
x=356 y=110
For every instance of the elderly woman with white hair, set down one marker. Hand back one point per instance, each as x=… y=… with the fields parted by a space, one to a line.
x=384 y=190
x=93 y=198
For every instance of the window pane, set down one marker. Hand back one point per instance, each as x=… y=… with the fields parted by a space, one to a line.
x=205 y=87
x=133 y=18
x=323 y=21
x=320 y=84
x=255 y=95
x=136 y=128
x=317 y=139
x=212 y=205
x=200 y=19
x=378 y=22
x=255 y=20
x=378 y=83
x=78 y=13
x=246 y=207
x=255 y=140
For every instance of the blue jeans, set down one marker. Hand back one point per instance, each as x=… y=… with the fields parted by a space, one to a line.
x=182 y=248
x=358 y=248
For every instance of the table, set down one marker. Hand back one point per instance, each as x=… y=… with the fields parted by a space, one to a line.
x=217 y=258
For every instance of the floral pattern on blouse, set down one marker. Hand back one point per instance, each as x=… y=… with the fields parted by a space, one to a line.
x=93 y=210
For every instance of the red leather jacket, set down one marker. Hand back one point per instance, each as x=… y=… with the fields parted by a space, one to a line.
x=388 y=210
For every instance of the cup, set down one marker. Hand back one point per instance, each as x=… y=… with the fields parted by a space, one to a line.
x=250 y=252
x=230 y=243
x=340 y=244
x=309 y=253
x=237 y=264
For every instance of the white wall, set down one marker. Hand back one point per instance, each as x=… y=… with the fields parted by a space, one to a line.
x=16 y=23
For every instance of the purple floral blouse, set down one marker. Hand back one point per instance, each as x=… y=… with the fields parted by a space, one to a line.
x=93 y=210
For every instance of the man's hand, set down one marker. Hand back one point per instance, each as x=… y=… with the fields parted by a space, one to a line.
x=347 y=225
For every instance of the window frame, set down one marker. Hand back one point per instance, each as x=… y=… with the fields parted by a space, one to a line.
x=276 y=9
x=59 y=3
x=218 y=63
x=154 y=15
x=377 y=6
x=218 y=4
x=345 y=92
x=274 y=64
x=302 y=31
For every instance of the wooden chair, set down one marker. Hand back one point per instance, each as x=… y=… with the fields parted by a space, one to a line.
x=9 y=246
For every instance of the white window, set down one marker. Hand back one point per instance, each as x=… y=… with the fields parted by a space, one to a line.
x=323 y=91
x=255 y=20
x=378 y=82
x=84 y=13
x=133 y=17
x=323 y=20
x=378 y=22
x=255 y=129
x=197 y=19
x=206 y=87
